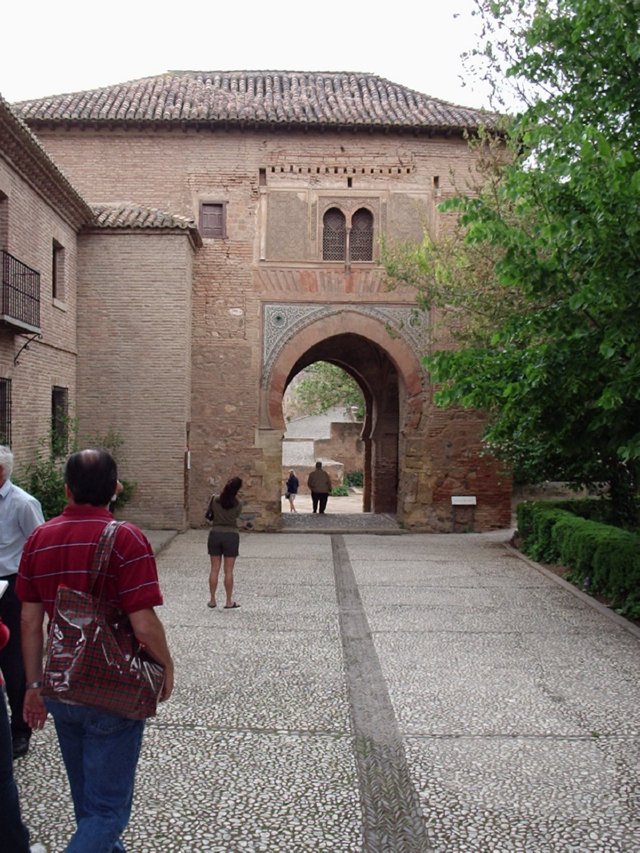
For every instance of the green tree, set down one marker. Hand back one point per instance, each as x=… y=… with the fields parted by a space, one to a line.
x=559 y=372
x=324 y=386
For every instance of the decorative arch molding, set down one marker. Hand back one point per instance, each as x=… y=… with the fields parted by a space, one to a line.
x=348 y=206
x=282 y=321
x=290 y=330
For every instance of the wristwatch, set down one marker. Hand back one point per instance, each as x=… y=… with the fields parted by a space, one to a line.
x=34 y=685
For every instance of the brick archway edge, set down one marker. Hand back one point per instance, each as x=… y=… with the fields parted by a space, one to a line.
x=342 y=323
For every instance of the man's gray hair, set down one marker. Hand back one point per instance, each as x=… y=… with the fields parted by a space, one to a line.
x=6 y=461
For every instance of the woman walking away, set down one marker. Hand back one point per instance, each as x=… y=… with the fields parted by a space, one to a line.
x=224 y=540
x=292 y=490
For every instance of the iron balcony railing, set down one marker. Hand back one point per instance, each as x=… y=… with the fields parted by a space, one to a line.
x=20 y=294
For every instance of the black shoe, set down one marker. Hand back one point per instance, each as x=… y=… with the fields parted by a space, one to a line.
x=20 y=746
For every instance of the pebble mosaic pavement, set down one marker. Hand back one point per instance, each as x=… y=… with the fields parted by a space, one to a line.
x=378 y=693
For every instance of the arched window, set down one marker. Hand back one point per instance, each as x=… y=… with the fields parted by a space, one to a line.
x=334 y=235
x=361 y=238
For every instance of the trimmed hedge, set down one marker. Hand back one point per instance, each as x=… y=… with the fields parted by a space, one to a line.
x=603 y=559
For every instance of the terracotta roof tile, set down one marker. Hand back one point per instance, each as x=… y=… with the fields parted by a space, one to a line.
x=128 y=215
x=298 y=98
x=25 y=152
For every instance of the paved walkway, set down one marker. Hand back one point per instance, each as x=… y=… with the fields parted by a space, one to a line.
x=343 y=515
x=379 y=694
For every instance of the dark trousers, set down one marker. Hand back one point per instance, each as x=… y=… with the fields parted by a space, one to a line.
x=14 y=834
x=319 y=499
x=11 y=659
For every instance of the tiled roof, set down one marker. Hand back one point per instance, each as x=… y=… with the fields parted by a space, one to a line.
x=257 y=98
x=25 y=152
x=127 y=215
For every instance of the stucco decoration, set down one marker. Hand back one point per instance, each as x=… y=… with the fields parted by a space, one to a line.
x=281 y=321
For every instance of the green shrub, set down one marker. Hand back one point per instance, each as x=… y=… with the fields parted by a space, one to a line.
x=354 y=478
x=616 y=567
x=524 y=515
x=600 y=557
x=631 y=606
x=539 y=543
x=341 y=491
x=43 y=477
x=594 y=509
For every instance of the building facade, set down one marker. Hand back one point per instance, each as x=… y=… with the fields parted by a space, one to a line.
x=275 y=190
x=41 y=215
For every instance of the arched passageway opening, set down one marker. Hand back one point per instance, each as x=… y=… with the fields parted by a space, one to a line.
x=324 y=412
x=371 y=345
x=376 y=375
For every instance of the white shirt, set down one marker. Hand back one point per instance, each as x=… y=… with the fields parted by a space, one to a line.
x=20 y=514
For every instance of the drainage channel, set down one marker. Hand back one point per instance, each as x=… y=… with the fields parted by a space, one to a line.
x=392 y=817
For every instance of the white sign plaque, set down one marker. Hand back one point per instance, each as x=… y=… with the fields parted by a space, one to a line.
x=463 y=500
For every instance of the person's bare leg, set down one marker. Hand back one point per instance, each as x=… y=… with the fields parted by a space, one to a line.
x=213 y=579
x=291 y=506
x=229 y=563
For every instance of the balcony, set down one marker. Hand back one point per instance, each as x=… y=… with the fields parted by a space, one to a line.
x=20 y=295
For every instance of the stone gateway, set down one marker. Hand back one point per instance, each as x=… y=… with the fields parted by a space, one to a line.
x=220 y=232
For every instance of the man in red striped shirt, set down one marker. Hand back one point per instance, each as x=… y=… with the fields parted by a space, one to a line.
x=100 y=750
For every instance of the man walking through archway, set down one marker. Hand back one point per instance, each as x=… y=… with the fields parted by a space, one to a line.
x=319 y=483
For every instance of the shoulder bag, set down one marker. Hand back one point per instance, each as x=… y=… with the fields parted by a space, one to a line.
x=93 y=656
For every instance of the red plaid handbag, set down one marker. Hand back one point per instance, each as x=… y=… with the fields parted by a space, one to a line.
x=93 y=656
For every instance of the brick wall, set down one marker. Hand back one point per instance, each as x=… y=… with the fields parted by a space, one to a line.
x=233 y=430
x=30 y=225
x=134 y=375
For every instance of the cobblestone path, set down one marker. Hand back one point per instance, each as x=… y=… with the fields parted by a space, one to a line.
x=378 y=694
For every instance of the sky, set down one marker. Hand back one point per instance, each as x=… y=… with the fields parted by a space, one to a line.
x=70 y=46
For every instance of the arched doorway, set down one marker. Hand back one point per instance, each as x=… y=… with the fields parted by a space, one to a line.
x=386 y=368
x=377 y=377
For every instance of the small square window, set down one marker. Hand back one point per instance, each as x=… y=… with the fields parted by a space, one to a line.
x=213 y=223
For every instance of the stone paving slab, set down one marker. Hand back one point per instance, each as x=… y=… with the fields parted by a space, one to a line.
x=459 y=687
x=261 y=679
x=216 y=790
x=515 y=794
x=383 y=694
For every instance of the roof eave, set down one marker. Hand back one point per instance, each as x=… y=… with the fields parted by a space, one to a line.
x=30 y=160
x=252 y=124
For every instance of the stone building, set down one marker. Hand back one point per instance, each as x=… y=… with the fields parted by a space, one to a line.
x=234 y=239
x=65 y=265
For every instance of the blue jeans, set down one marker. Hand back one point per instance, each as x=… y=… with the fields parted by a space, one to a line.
x=14 y=834
x=100 y=752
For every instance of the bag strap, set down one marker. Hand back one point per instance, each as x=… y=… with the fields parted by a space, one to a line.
x=102 y=555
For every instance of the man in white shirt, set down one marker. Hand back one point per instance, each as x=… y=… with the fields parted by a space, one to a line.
x=20 y=514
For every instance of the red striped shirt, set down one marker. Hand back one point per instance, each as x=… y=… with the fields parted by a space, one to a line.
x=61 y=552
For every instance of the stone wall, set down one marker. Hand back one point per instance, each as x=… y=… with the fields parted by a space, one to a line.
x=345 y=446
